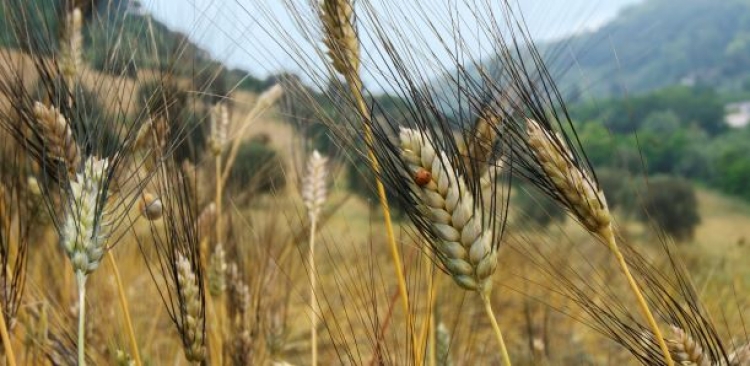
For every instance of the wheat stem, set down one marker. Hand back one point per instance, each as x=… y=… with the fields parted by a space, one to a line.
x=125 y=311
x=343 y=50
x=81 y=281
x=353 y=80
x=609 y=237
x=7 y=346
x=265 y=101
x=313 y=296
x=495 y=327
x=219 y=232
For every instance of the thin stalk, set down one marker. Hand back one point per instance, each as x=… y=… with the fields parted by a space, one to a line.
x=237 y=140
x=353 y=79
x=81 y=280
x=609 y=237
x=7 y=346
x=496 y=328
x=313 y=298
x=125 y=310
x=219 y=237
x=426 y=335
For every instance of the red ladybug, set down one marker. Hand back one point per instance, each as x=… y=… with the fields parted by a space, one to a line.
x=422 y=177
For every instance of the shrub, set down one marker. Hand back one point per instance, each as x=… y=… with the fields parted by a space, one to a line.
x=258 y=168
x=670 y=203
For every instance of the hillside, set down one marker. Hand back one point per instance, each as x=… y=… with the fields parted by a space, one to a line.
x=655 y=44
x=665 y=42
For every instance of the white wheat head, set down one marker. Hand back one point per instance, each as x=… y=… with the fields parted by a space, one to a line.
x=463 y=242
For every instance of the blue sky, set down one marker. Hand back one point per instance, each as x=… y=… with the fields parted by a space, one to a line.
x=233 y=31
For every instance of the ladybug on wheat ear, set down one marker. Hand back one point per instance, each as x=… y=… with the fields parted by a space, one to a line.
x=422 y=177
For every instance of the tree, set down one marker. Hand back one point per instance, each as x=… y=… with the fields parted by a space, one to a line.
x=671 y=204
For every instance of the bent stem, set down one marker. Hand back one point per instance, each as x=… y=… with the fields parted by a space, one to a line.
x=313 y=299
x=81 y=280
x=9 y=356
x=125 y=311
x=609 y=238
x=495 y=327
x=356 y=84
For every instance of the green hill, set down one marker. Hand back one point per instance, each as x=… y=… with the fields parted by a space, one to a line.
x=661 y=43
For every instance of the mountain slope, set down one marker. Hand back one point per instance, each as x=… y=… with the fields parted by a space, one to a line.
x=665 y=42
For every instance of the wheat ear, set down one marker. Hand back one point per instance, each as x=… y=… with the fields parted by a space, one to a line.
x=57 y=136
x=217 y=271
x=71 y=46
x=314 y=195
x=239 y=298
x=462 y=243
x=740 y=356
x=685 y=350
x=343 y=50
x=191 y=319
x=84 y=231
x=586 y=201
x=443 y=346
x=219 y=127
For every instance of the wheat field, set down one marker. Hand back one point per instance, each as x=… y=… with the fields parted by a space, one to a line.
x=158 y=208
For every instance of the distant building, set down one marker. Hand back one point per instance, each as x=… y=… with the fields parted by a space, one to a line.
x=737 y=114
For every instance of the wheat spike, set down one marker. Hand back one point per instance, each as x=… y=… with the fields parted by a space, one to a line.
x=219 y=127
x=85 y=229
x=481 y=143
x=217 y=271
x=57 y=135
x=191 y=320
x=575 y=186
x=71 y=46
x=269 y=97
x=685 y=350
x=340 y=36
x=205 y=221
x=463 y=245
x=239 y=299
x=739 y=357
x=442 y=346
x=314 y=184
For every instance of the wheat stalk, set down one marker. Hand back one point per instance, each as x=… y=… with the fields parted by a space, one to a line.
x=265 y=101
x=314 y=195
x=191 y=319
x=343 y=49
x=125 y=309
x=84 y=231
x=461 y=242
x=582 y=196
x=57 y=135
